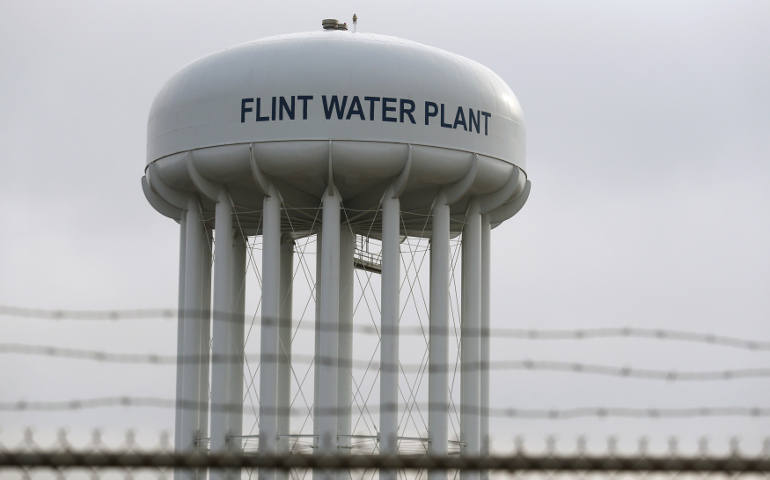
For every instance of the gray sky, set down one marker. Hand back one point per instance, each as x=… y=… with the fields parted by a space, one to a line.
x=648 y=149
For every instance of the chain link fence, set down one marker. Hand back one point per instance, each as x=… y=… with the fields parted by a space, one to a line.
x=28 y=458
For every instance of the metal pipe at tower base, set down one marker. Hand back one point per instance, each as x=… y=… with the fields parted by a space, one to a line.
x=470 y=323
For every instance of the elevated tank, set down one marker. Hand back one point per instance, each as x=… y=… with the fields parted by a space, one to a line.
x=306 y=109
x=338 y=135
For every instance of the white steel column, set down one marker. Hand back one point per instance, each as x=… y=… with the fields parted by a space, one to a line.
x=237 y=338
x=389 y=328
x=326 y=354
x=204 y=347
x=486 y=233
x=182 y=437
x=470 y=380
x=195 y=331
x=317 y=337
x=271 y=281
x=226 y=370
x=184 y=421
x=284 y=343
x=345 y=372
x=438 y=354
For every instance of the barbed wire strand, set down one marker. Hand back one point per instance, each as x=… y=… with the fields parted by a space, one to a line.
x=523 y=334
x=520 y=365
x=506 y=412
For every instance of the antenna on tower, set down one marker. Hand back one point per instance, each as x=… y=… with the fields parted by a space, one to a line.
x=355 y=21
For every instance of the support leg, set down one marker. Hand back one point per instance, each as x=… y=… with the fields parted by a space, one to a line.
x=345 y=372
x=182 y=440
x=284 y=341
x=192 y=393
x=271 y=281
x=438 y=354
x=470 y=335
x=237 y=338
x=226 y=369
x=389 y=327
x=204 y=293
x=484 y=344
x=326 y=355
x=184 y=435
x=317 y=339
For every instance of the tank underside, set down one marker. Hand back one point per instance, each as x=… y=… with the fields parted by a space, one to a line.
x=361 y=172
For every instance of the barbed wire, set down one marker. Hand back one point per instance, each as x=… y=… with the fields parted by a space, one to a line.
x=62 y=314
x=522 y=334
x=506 y=412
x=521 y=365
x=505 y=463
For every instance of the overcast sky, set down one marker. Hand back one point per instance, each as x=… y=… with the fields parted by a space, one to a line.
x=648 y=136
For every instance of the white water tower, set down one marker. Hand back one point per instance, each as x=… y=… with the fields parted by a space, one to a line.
x=337 y=136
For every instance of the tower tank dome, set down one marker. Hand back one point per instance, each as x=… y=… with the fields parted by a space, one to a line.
x=355 y=110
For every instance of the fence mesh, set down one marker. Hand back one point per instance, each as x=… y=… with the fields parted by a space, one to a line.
x=130 y=458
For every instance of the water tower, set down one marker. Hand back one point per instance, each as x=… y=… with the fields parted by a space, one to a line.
x=341 y=137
